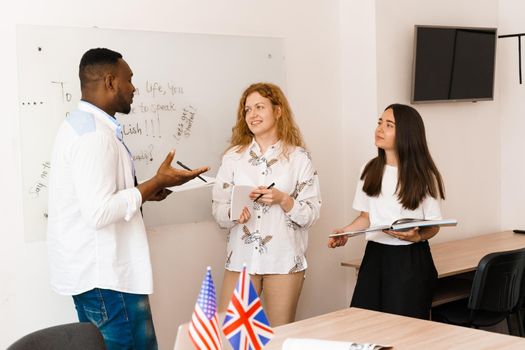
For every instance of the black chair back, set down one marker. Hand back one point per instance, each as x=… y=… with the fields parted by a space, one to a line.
x=497 y=281
x=71 y=336
x=518 y=311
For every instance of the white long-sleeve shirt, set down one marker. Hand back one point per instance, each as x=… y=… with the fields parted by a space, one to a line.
x=272 y=241
x=96 y=236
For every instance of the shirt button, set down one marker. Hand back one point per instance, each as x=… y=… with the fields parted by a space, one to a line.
x=258 y=216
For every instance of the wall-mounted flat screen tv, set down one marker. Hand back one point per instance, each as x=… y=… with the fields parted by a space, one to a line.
x=453 y=64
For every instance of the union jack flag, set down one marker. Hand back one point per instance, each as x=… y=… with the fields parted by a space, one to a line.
x=204 y=325
x=245 y=324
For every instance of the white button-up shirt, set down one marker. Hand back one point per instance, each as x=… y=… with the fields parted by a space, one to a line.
x=96 y=236
x=272 y=241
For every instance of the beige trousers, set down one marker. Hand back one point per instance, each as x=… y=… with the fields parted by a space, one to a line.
x=280 y=294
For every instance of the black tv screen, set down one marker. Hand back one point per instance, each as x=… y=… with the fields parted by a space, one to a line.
x=453 y=64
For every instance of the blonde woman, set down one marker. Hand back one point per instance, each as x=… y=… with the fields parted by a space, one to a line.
x=270 y=235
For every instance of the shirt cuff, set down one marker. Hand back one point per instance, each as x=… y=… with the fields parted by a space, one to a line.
x=358 y=207
x=294 y=211
x=220 y=213
x=134 y=201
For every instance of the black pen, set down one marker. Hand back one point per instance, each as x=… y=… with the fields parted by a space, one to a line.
x=259 y=196
x=185 y=167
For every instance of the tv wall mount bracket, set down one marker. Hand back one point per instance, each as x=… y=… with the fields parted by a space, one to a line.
x=519 y=35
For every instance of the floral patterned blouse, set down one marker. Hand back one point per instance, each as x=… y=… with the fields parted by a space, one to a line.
x=272 y=241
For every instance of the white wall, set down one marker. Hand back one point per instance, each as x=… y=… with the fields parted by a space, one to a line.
x=310 y=30
x=359 y=109
x=512 y=113
x=463 y=137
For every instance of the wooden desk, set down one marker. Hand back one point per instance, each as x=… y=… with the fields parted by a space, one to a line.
x=453 y=258
x=463 y=255
x=365 y=326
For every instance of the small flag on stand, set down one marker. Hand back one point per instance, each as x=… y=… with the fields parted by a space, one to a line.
x=245 y=324
x=204 y=325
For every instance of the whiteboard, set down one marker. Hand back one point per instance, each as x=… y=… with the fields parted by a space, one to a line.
x=188 y=87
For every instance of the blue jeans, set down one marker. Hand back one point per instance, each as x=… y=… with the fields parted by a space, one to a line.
x=123 y=319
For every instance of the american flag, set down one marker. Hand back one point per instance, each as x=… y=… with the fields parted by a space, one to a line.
x=204 y=325
x=245 y=324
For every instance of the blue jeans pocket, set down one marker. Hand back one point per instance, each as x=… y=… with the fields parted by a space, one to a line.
x=91 y=307
x=97 y=316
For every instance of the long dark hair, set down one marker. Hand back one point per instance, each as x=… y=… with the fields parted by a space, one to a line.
x=418 y=175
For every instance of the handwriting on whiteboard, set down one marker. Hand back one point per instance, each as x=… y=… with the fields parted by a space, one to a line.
x=41 y=183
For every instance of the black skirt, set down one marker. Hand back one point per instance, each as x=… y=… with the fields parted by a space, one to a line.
x=396 y=279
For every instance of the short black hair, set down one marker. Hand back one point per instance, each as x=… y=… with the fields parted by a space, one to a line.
x=92 y=63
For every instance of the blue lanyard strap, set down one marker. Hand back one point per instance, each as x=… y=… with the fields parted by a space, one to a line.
x=120 y=136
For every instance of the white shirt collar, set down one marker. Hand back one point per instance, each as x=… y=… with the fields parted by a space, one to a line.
x=255 y=146
x=99 y=113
